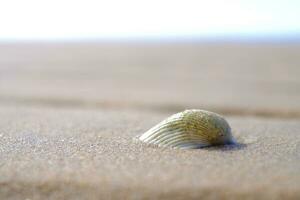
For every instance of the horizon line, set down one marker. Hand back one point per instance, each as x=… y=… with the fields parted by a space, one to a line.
x=234 y=37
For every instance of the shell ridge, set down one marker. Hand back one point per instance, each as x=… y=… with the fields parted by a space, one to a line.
x=181 y=135
x=158 y=129
x=186 y=140
x=164 y=135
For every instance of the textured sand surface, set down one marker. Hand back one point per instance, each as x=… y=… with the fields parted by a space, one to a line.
x=69 y=113
x=74 y=153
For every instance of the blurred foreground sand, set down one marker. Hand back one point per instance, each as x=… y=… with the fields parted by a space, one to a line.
x=69 y=113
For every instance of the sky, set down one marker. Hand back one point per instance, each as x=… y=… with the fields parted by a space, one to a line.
x=125 y=19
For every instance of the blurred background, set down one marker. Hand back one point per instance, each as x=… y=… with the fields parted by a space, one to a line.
x=233 y=57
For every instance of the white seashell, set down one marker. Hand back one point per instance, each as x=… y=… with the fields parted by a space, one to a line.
x=190 y=129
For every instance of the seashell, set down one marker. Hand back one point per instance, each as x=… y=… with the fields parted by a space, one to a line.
x=190 y=129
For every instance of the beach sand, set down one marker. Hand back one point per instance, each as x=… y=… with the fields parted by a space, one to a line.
x=70 y=113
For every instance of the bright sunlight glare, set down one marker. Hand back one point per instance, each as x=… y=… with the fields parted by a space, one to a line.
x=88 y=19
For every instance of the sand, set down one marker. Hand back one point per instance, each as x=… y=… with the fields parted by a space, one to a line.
x=246 y=78
x=70 y=113
x=74 y=153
